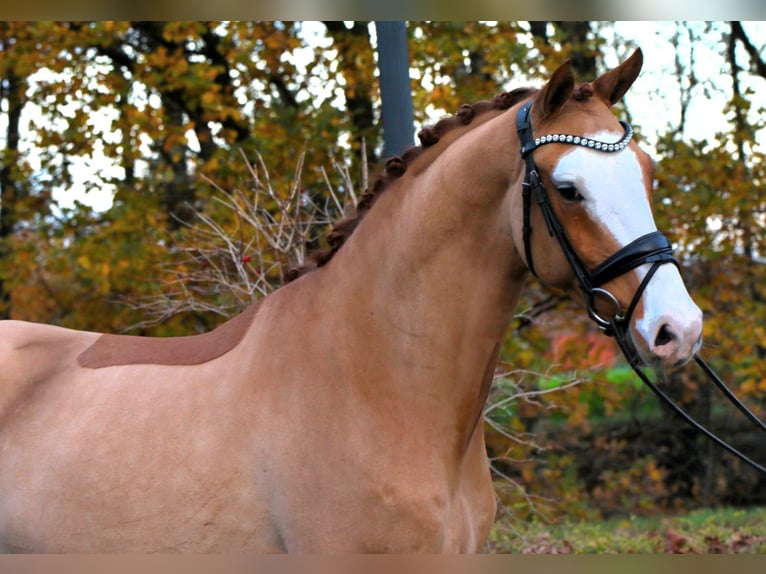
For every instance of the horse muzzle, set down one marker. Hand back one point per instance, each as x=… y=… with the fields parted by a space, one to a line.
x=669 y=331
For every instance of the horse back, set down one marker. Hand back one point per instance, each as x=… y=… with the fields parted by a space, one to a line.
x=31 y=353
x=114 y=350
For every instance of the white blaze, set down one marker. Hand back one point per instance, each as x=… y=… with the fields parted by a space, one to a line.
x=615 y=196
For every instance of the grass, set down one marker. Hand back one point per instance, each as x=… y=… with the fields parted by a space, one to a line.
x=707 y=531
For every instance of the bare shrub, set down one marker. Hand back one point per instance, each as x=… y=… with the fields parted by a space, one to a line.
x=241 y=251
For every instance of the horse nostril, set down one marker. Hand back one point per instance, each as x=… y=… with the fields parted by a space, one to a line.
x=664 y=336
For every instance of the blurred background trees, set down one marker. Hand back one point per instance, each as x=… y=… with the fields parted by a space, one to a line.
x=133 y=155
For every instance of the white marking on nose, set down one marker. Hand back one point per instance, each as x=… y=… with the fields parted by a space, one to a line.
x=671 y=325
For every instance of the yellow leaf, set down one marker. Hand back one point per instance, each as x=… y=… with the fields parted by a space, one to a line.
x=654 y=473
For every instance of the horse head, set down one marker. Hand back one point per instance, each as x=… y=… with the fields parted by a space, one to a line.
x=587 y=217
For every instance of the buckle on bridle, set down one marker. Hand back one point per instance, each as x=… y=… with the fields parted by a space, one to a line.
x=604 y=324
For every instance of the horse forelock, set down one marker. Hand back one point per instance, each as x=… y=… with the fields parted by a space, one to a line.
x=414 y=157
x=583 y=92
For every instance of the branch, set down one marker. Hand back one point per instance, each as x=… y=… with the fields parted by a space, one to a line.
x=738 y=33
x=224 y=263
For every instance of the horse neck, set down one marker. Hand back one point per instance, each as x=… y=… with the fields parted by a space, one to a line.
x=432 y=275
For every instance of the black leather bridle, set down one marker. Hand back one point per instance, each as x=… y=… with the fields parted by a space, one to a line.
x=653 y=249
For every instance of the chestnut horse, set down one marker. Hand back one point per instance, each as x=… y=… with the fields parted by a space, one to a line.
x=343 y=412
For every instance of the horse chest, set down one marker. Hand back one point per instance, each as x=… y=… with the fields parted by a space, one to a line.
x=385 y=504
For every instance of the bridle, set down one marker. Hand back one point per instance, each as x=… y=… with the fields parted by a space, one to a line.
x=653 y=249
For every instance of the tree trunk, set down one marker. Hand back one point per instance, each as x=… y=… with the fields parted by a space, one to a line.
x=10 y=189
x=395 y=90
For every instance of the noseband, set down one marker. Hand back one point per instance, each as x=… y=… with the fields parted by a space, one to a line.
x=653 y=249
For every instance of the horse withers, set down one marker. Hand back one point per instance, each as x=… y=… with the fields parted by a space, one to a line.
x=343 y=412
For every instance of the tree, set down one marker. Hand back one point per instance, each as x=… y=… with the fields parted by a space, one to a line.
x=180 y=99
x=175 y=100
x=579 y=38
x=10 y=194
x=713 y=204
x=395 y=91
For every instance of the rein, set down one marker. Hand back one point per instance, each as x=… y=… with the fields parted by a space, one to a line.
x=652 y=248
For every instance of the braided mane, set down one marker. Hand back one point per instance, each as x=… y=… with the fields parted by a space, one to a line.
x=396 y=166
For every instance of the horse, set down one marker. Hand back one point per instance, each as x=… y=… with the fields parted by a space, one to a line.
x=344 y=411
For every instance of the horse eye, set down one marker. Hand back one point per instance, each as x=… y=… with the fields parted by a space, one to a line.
x=569 y=192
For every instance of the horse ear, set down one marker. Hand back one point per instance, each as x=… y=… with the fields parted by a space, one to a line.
x=612 y=85
x=557 y=90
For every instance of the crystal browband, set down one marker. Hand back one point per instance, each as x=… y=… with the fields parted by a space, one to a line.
x=583 y=141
